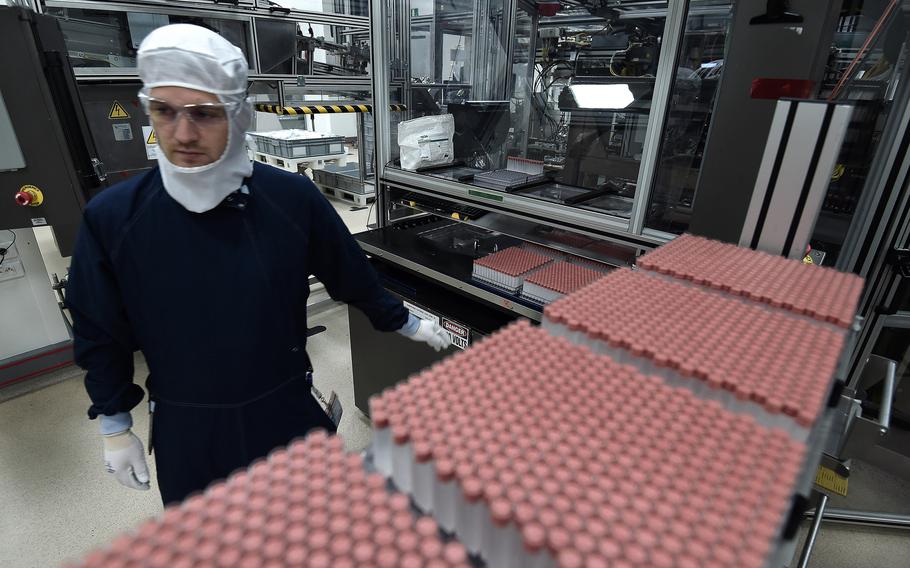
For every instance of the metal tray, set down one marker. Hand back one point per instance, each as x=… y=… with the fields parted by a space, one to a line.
x=560 y=193
x=612 y=204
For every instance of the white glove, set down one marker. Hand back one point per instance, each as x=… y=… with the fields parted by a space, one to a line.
x=432 y=334
x=125 y=458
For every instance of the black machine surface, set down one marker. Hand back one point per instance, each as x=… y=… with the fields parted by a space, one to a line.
x=126 y=142
x=380 y=360
x=46 y=126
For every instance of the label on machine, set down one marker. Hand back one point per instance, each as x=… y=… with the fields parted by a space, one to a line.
x=117 y=112
x=151 y=142
x=123 y=132
x=458 y=332
x=828 y=479
x=461 y=334
x=421 y=313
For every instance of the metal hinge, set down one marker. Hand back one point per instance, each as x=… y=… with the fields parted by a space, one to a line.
x=98 y=166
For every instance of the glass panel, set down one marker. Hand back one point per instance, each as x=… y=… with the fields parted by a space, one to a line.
x=276 y=41
x=522 y=79
x=352 y=7
x=698 y=73
x=554 y=107
x=262 y=92
x=109 y=39
x=338 y=162
x=869 y=78
x=332 y=50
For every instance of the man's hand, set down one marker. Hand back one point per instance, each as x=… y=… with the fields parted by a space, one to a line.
x=125 y=458
x=432 y=334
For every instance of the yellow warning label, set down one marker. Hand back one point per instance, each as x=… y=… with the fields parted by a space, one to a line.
x=808 y=259
x=828 y=479
x=838 y=172
x=117 y=111
x=152 y=139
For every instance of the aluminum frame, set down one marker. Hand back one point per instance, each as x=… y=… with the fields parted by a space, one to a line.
x=518 y=206
x=178 y=10
x=676 y=15
x=154 y=7
x=867 y=218
x=358 y=23
x=674 y=25
x=381 y=113
x=531 y=11
x=802 y=147
x=496 y=226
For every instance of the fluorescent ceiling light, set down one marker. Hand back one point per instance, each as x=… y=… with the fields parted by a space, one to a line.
x=611 y=96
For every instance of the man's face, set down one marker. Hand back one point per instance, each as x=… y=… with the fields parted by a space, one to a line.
x=188 y=139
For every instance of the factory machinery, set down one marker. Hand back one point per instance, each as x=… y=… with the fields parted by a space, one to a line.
x=570 y=141
x=600 y=130
x=673 y=415
x=547 y=146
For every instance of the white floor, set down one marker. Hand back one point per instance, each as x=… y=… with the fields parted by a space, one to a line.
x=57 y=502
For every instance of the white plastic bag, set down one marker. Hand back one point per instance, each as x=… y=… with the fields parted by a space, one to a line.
x=426 y=141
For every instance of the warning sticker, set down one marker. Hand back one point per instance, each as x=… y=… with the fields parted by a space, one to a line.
x=117 y=111
x=151 y=142
x=421 y=313
x=460 y=334
x=123 y=132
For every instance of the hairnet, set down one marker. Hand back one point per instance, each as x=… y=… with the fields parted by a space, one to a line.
x=184 y=55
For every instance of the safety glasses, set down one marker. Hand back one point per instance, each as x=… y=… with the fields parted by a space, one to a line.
x=203 y=115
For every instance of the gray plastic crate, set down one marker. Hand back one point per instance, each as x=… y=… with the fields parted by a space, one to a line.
x=345 y=178
x=304 y=146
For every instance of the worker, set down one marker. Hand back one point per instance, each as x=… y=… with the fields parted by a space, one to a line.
x=203 y=264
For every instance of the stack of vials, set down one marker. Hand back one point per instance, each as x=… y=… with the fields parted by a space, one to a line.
x=818 y=292
x=536 y=452
x=751 y=358
x=544 y=251
x=508 y=268
x=308 y=505
x=661 y=417
x=556 y=280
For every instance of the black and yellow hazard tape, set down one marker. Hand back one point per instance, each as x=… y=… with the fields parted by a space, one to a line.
x=322 y=109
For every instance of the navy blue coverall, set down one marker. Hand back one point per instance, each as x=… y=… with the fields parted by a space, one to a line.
x=216 y=302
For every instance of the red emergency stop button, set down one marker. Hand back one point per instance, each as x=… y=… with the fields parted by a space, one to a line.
x=29 y=196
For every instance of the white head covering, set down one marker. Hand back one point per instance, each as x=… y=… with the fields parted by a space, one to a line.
x=184 y=55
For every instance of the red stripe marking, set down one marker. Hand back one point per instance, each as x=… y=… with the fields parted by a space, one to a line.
x=38 y=372
x=32 y=358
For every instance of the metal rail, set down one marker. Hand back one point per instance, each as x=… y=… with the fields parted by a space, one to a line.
x=865 y=518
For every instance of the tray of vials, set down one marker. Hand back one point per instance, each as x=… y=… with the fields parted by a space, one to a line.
x=507 y=180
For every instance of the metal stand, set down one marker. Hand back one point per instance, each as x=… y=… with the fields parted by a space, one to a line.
x=858 y=435
x=813 y=532
x=863 y=518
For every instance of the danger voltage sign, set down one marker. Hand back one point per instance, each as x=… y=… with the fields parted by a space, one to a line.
x=461 y=335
